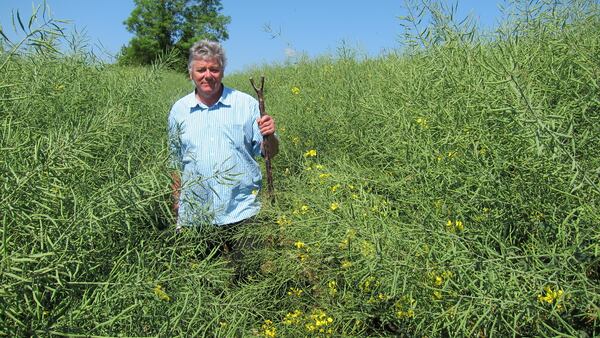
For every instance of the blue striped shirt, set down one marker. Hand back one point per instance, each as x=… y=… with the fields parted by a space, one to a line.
x=214 y=148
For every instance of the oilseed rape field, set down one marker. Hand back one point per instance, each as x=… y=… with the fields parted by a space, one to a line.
x=448 y=189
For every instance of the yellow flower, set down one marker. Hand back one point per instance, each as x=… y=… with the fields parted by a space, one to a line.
x=295 y=140
x=282 y=220
x=332 y=285
x=382 y=296
x=551 y=295
x=295 y=292
x=369 y=284
x=299 y=245
x=537 y=216
x=318 y=322
x=255 y=192
x=454 y=226
x=351 y=233
x=405 y=314
x=334 y=206
x=344 y=243
x=367 y=249
x=334 y=188
x=421 y=121
x=291 y=318
x=346 y=264
x=160 y=292
x=405 y=307
x=295 y=90
x=310 y=153
x=268 y=328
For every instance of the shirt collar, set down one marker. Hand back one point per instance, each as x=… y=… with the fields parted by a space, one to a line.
x=224 y=100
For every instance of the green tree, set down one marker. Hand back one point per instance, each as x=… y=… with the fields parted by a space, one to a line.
x=171 y=26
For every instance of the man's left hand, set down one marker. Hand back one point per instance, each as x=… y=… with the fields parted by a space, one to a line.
x=266 y=124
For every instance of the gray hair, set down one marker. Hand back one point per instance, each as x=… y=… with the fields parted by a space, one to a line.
x=206 y=49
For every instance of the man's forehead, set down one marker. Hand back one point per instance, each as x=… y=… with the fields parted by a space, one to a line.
x=211 y=62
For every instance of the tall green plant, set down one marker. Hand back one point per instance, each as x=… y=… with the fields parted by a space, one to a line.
x=445 y=192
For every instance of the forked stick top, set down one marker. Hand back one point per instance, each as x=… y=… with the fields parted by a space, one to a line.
x=259 y=94
x=258 y=90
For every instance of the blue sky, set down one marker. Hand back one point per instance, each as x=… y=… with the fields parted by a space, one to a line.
x=311 y=27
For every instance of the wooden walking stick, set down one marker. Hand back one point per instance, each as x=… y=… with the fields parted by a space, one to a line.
x=266 y=139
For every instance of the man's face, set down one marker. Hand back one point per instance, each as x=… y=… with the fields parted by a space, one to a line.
x=207 y=76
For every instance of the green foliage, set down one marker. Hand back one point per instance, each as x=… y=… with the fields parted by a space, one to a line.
x=448 y=191
x=171 y=25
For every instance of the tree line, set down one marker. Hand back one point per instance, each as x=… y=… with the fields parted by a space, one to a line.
x=162 y=27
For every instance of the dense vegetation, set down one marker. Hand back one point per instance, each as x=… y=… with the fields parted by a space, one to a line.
x=445 y=191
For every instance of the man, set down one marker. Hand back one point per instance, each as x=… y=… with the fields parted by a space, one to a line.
x=215 y=135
